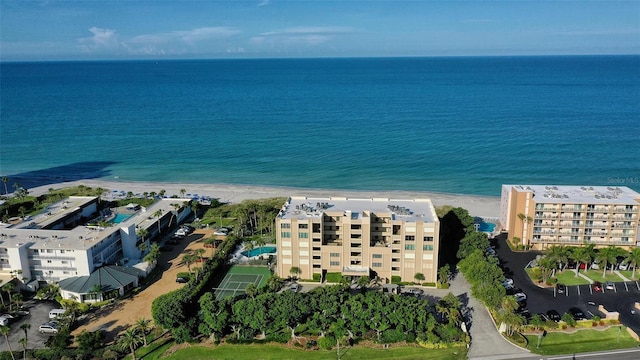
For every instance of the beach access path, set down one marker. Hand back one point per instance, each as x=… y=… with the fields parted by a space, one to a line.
x=482 y=206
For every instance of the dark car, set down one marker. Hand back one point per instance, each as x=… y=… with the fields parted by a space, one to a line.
x=513 y=291
x=553 y=315
x=182 y=280
x=577 y=313
x=560 y=288
x=597 y=286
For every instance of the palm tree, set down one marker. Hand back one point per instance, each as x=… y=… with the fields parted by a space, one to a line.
x=8 y=287
x=130 y=339
x=23 y=342
x=154 y=253
x=4 y=330
x=1 y=297
x=158 y=215
x=182 y=192
x=25 y=327
x=582 y=254
x=546 y=265
x=559 y=255
x=142 y=247
x=162 y=192
x=633 y=258
x=295 y=271
x=143 y=325
x=189 y=259
x=5 y=180
x=443 y=274
x=199 y=253
x=509 y=304
x=212 y=242
x=608 y=256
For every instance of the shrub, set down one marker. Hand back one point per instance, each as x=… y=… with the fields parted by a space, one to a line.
x=443 y=286
x=430 y=284
x=396 y=279
x=184 y=274
x=317 y=277
x=326 y=342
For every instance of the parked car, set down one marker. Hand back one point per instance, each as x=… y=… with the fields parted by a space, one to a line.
x=415 y=291
x=576 y=313
x=173 y=242
x=595 y=266
x=520 y=297
x=182 y=280
x=295 y=287
x=553 y=315
x=513 y=291
x=624 y=266
x=188 y=229
x=4 y=321
x=597 y=286
x=610 y=285
x=165 y=248
x=180 y=232
x=560 y=288
x=221 y=232
x=49 y=328
x=507 y=283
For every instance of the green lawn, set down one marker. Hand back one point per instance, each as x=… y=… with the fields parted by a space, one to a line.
x=556 y=343
x=568 y=277
x=596 y=275
x=627 y=274
x=277 y=352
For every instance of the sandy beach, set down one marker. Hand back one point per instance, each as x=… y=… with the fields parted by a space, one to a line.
x=483 y=206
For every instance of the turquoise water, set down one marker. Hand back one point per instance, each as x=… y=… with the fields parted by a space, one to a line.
x=260 y=251
x=487 y=227
x=455 y=125
x=120 y=218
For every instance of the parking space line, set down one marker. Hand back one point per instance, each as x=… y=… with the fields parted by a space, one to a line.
x=615 y=288
x=554 y=291
x=591 y=289
x=638 y=286
x=625 y=286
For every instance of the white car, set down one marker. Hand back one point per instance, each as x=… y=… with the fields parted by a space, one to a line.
x=624 y=266
x=508 y=283
x=520 y=297
x=49 y=328
x=221 y=232
x=4 y=321
x=181 y=232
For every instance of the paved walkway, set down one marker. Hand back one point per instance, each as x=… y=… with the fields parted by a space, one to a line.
x=621 y=276
x=486 y=342
x=585 y=277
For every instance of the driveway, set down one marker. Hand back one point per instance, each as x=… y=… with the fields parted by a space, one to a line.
x=540 y=300
x=124 y=313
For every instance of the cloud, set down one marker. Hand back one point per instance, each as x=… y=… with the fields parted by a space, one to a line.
x=263 y=3
x=185 y=36
x=102 y=39
x=302 y=35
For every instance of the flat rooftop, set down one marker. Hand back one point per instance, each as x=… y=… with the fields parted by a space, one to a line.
x=82 y=237
x=621 y=195
x=301 y=207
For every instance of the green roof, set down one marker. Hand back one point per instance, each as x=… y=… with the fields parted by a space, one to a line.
x=108 y=277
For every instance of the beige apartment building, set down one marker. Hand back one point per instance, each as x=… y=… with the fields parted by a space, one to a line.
x=542 y=216
x=376 y=237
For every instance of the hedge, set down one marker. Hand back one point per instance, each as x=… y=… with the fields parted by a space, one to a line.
x=334 y=277
x=317 y=277
x=396 y=279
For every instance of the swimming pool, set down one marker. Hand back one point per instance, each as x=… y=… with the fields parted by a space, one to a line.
x=120 y=218
x=487 y=227
x=259 y=251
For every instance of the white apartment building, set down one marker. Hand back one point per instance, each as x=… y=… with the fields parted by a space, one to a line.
x=57 y=243
x=376 y=237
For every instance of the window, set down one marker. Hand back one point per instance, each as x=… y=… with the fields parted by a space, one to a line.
x=304 y=235
x=409 y=238
x=428 y=238
x=376 y=264
x=409 y=247
x=285 y=234
x=303 y=226
x=427 y=247
x=285 y=226
x=377 y=256
x=334 y=254
x=61 y=251
x=356 y=226
x=334 y=263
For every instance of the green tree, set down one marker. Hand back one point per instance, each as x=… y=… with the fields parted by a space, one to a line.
x=25 y=327
x=509 y=304
x=582 y=255
x=189 y=259
x=8 y=288
x=633 y=258
x=443 y=274
x=251 y=290
x=214 y=315
x=569 y=319
x=295 y=271
x=89 y=342
x=129 y=340
x=143 y=233
x=608 y=256
x=559 y=255
x=418 y=277
x=23 y=342
x=158 y=214
x=182 y=192
x=5 y=330
x=154 y=253
x=144 y=326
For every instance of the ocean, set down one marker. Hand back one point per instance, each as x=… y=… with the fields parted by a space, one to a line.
x=460 y=125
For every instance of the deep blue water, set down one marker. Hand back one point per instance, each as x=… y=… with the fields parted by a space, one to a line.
x=456 y=125
x=259 y=251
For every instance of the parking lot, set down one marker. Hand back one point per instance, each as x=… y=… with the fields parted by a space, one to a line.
x=38 y=315
x=539 y=300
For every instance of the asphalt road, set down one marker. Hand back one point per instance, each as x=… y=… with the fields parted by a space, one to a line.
x=540 y=300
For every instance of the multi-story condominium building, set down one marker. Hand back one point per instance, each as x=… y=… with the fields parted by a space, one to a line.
x=64 y=242
x=542 y=216
x=358 y=237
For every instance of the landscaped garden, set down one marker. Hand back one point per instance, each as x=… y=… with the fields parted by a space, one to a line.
x=554 y=343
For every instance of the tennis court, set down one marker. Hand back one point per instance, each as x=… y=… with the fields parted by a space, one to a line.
x=238 y=278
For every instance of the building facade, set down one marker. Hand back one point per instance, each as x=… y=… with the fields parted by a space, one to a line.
x=542 y=216
x=381 y=238
x=63 y=242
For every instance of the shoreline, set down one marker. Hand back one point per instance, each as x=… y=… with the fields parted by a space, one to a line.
x=477 y=205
